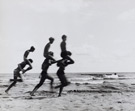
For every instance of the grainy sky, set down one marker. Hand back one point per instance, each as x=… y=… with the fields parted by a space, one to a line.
x=101 y=33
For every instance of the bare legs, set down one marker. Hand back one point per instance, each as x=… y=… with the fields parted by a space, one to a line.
x=64 y=83
x=13 y=84
x=43 y=77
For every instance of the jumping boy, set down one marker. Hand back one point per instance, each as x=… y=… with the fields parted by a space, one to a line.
x=17 y=71
x=46 y=49
x=32 y=48
x=63 y=45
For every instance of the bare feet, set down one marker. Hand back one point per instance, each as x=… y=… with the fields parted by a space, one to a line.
x=32 y=93
x=6 y=91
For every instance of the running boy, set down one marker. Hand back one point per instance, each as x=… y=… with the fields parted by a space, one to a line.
x=60 y=73
x=46 y=49
x=17 y=71
x=44 y=75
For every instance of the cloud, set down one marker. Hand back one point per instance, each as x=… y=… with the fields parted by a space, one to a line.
x=128 y=15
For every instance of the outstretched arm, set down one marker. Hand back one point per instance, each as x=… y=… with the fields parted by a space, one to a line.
x=50 y=57
x=53 y=62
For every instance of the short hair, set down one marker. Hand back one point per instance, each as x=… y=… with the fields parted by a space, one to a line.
x=32 y=48
x=30 y=60
x=64 y=36
x=51 y=39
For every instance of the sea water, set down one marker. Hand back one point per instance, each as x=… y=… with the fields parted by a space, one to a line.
x=92 y=77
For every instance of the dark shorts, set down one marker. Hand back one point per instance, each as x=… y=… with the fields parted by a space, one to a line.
x=62 y=77
x=63 y=54
x=47 y=55
x=17 y=73
x=44 y=75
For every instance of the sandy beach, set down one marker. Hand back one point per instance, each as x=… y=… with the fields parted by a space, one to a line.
x=84 y=94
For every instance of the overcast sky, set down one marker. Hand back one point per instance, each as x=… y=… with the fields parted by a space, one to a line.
x=101 y=33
